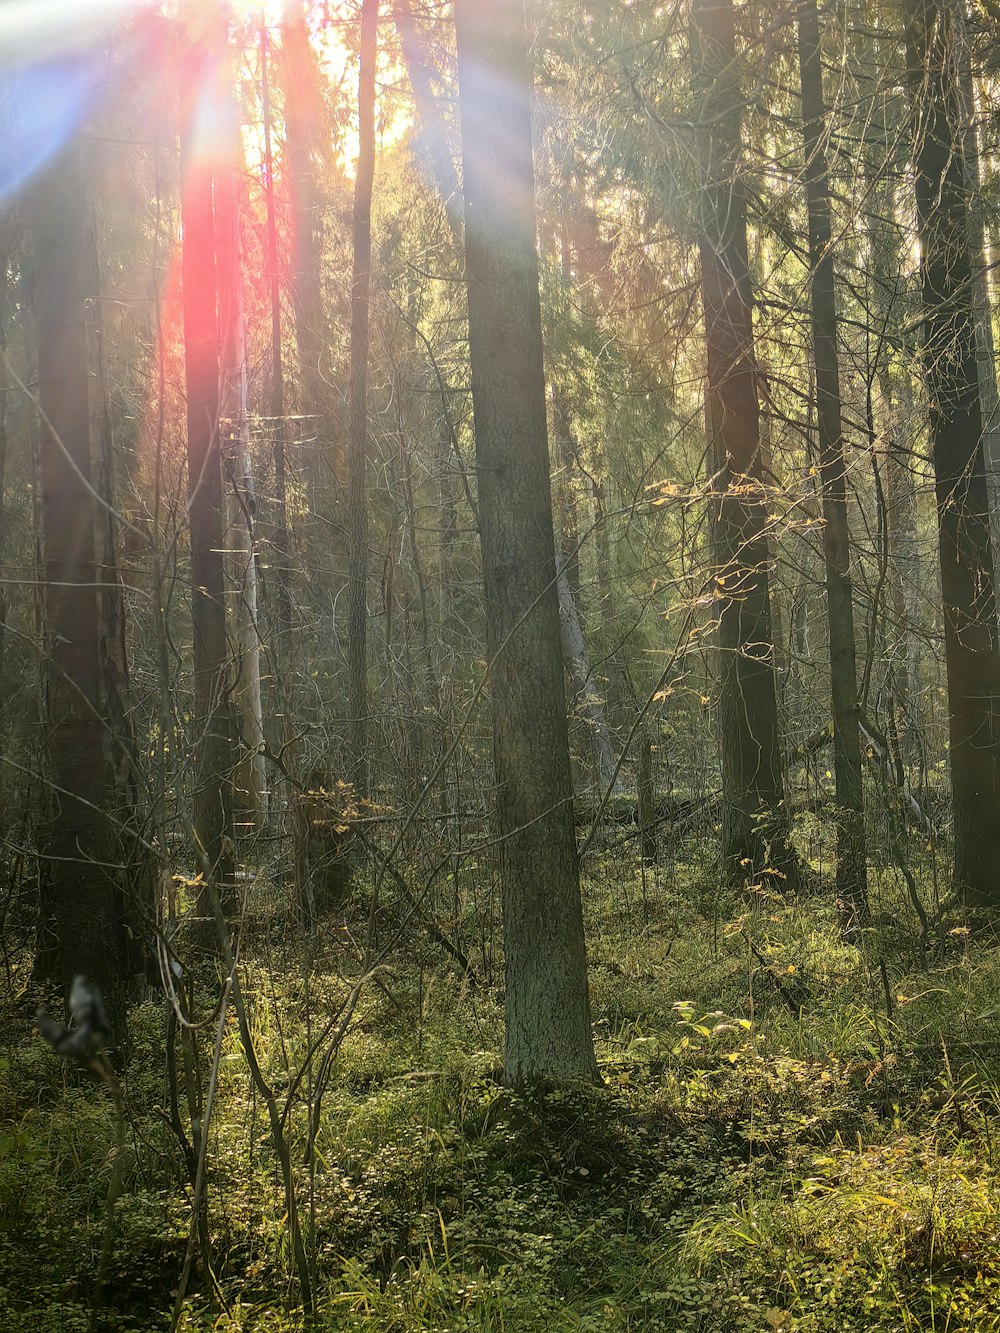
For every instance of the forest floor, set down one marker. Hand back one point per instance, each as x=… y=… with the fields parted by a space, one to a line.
x=794 y=1133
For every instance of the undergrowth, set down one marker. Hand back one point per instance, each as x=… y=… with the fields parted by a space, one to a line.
x=794 y=1133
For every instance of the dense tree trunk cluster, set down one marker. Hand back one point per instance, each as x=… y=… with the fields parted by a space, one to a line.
x=310 y=575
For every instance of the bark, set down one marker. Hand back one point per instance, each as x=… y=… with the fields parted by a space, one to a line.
x=852 y=873
x=548 y=1032
x=956 y=427
x=214 y=750
x=357 y=418
x=251 y=795
x=80 y=927
x=755 y=822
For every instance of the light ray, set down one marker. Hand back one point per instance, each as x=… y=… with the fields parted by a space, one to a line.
x=41 y=28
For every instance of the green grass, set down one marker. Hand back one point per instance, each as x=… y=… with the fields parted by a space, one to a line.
x=771 y=1149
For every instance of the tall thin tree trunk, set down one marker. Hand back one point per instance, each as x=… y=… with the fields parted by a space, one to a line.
x=279 y=425
x=80 y=929
x=241 y=499
x=357 y=421
x=548 y=1032
x=214 y=742
x=124 y=770
x=967 y=570
x=852 y=873
x=989 y=398
x=906 y=573
x=754 y=821
x=299 y=79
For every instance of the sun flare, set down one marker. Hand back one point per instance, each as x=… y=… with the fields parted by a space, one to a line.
x=253 y=11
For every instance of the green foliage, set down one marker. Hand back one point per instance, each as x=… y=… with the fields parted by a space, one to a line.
x=770 y=1148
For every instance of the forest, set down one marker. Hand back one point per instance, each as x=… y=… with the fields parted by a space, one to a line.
x=499 y=666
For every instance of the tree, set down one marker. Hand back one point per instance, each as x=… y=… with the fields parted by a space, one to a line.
x=754 y=819
x=956 y=426
x=80 y=929
x=213 y=738
x=357 y=424
x=548 y=1033
x=303 y=121
x=852 y=875
x=283 y=599
x=241 y=525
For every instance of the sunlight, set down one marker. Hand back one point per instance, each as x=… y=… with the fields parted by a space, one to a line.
x=48 y=78
x=251 y=11
x=41 y=26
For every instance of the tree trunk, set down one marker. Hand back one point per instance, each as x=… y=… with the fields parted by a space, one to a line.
x=905 y=570
x=214 y=749
x=852 y=871
x=125 y=780
x=967 y=572
x=357 y=420
x=755 y=822
x=548 y=1032
x=989 y=398
x=279 y=426
x=300 y=85
x=80 y=928
x=241 y=501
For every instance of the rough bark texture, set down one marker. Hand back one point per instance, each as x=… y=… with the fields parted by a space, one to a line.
x=754 y=822
x=80 y=923
x=357 y=413
x=548 y=1032
x=852 y=872
x=967 y=573
x=214 y=745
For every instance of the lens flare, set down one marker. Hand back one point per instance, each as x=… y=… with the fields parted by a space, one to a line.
x=47 y=102
x=50 y=69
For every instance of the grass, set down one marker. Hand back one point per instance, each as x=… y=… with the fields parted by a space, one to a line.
x=777 y=1145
